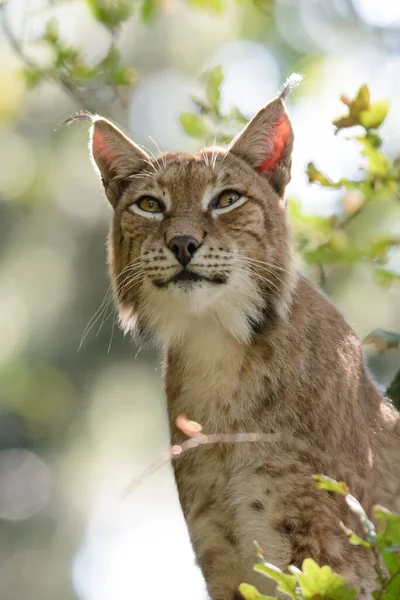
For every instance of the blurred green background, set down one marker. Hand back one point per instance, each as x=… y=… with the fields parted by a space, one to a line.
x=81 y=407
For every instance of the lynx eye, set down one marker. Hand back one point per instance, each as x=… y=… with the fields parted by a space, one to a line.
x=149 y=204
x=149 y=207
x=226 y=201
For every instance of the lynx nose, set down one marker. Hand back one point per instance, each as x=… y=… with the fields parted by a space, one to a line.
x=184 y=247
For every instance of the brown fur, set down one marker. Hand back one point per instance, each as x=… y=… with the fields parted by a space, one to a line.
x=255 y=348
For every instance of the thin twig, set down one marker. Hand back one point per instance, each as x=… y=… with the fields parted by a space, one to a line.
x=383 y=590
x=114 y=87
x=381 y=577
x=58 y=78
x=196 y=439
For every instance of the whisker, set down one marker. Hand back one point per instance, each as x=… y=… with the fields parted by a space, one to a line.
x=129 y=283
x=214 y=150
x=147 y=161
x=159 y=150
x=154 y=157
x=100 y=316
x=142 y=175
x=263 y=279
x=274 y=266
x=261 y=263
x=104 y=320
x=129 y=280
x=206 y=160
x=266 y=269
x=234 y=159
x=227 y=153
x=108 y=298
x=93 y=320
x=112 y=334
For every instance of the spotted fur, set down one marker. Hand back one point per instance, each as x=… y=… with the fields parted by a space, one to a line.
x=249 y=346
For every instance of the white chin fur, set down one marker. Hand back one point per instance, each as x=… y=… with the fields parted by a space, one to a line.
x=177 y=311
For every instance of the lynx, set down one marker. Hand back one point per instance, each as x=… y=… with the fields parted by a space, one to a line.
x=200 y=258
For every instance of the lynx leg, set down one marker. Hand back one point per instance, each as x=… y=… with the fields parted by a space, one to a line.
x=215 y=551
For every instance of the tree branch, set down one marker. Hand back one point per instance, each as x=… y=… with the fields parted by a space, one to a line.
x=59 y=79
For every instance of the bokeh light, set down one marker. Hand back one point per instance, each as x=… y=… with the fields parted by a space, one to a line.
x=384 y=13
x=25 y=484
x=155 y=108
x=79 y=426
x=250 y=75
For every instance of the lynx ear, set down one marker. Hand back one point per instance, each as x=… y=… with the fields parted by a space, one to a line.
x=266 y=143
x=115 y=156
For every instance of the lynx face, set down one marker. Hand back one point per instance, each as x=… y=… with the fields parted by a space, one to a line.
x=200 y=238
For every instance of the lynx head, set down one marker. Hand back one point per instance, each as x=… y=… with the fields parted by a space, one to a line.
x=200 y=238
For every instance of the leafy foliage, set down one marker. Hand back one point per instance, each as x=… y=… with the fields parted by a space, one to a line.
x=111 y=12
x=322 y=242
x=326 y=483
x=329 y=241
x=215 y=127
x=314 y=582
x=362 y=112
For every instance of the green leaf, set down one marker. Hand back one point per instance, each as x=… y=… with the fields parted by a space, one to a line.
x=374 y=138
x=264 y=5
x=321 y=582
x=384 y=278
x=380 y=247
x=123 y=76
x=81 y=71
x=51 y=33
x=393 y=587
x=312 y=223
x=236 y=115
x=374 y=116
x=249 y=592
x=315 y=175
x=360 y=103
x=216 y=6
x=392 y=561
x=66 y=57
x=32 y=76
x=331 y=485
x=214 y=79
x=333 y=251
x=354 y=539
x=389 y=527
x=111 y=12
x=286 y=583
x=383 y=339
x=148 y=9
x=378 y=163
x=193 y=125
